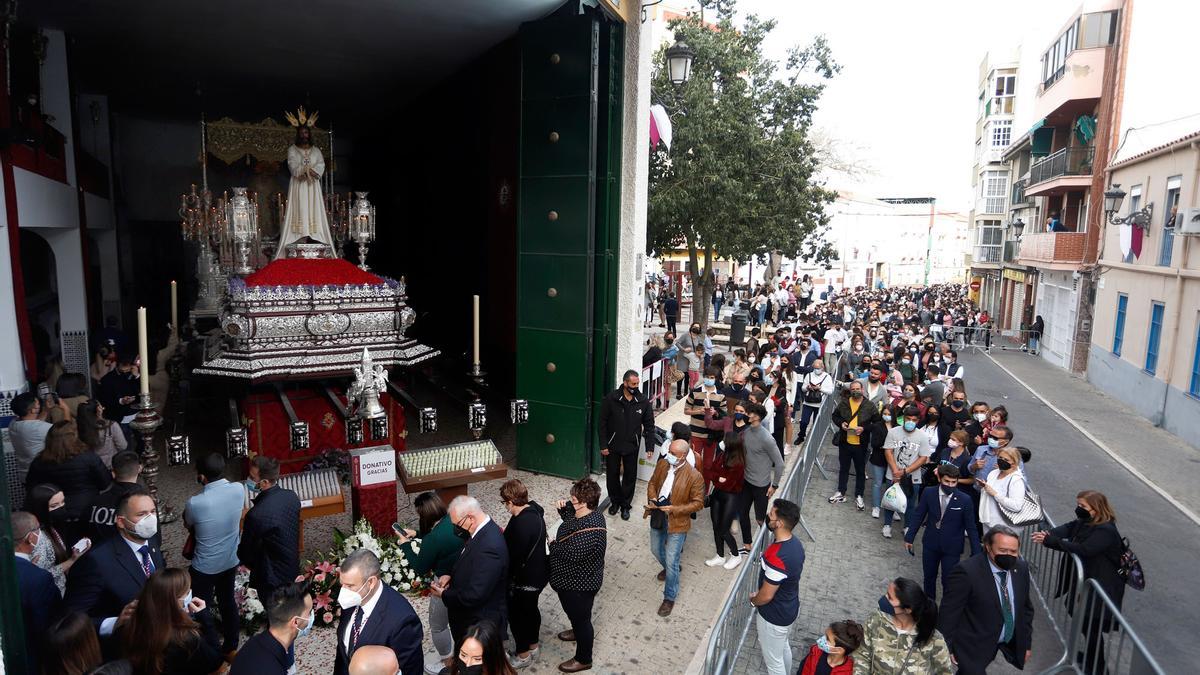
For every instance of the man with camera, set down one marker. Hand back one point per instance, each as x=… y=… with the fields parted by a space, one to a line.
x=28 y=431
x=675 y=492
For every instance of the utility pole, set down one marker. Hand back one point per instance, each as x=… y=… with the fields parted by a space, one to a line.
x=929 y=237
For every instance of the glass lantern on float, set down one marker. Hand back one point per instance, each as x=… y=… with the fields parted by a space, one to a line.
x=362 y=226
x=241 y=213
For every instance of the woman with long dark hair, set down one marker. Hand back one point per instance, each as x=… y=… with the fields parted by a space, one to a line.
x=901 y=637
x=727 y=473
x=102 y=436
x=481 y=650
x=1093 y=536
x=80 y=474
x=51 y=553
x=171 y=632
x=439 y=551
x=70 y=646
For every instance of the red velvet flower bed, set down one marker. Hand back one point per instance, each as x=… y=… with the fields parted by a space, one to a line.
x=301 y=272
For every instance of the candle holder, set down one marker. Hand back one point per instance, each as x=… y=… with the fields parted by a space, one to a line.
x=145 y=422
x=241 y=214
x=354 y=430
x=477 y=419
x=236 y=443
x=362 y=227
x=429 y=420
x=518 y=410
x=299 y=436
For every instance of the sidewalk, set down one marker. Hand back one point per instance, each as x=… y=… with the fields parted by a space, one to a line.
x=1157 y=457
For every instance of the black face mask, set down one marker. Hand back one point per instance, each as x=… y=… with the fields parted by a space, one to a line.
x=1004 y=464
x=1082 y=514
x=461 y=532
x=464 y=669
x=1005 y=562
x=957 y=405
x=948 y=489
x=885 y=606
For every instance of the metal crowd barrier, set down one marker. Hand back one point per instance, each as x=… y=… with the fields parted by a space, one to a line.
x=655 y=387
x=733 y=623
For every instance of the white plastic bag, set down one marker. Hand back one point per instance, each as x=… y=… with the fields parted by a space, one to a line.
x=894 y=499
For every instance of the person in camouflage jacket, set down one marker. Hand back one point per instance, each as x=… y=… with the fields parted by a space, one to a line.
x=901 y=639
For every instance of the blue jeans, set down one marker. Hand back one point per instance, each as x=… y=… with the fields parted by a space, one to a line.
x=762 y=314
x=877 y=474
x=667 y=549
x=717 y=310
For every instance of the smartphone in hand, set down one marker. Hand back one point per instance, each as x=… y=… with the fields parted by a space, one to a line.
x=82 y=546
x=398 y=529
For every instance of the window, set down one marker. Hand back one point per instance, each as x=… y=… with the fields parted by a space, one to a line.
x=1097 y=29
x=1005 y=95
x=1194 y=385
x=1119 y=329
x=1001 y=134
x=989 y=242
x=1168 y=230
x=1054 y=61
x=995 y=189
x=1135 y=203
x=1156 y=318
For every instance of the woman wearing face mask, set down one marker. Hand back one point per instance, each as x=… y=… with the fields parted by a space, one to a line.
x=740 y=365
x=878 y=459
x=439 y=551
x=51 y=552
x=1093 y=536
x=102 y=436
x=1004 y=487
x=80 y=474
x=481 y=652
x=930 y=423
x=956 y=453
x=780 y=405
x=901 y=637
x=831 y=654
x=577 y=567
x=908 y=396
x=810 y=394
x=171 y=632
x=525 y=536
x=727 y=474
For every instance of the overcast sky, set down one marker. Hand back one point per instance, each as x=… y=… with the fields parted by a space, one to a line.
x=905 y=101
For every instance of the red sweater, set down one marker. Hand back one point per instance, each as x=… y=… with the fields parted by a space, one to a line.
x=814 y=656
x=735 y=476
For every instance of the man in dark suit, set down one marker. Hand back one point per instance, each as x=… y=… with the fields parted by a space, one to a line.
x=290 y=616
x=625 y=418
x=375 y=614
x=945 y=514
x=126 y=467
x=104 y=582
x=477 y=586
x=270 y=544
x=40 y=600
x=988 y=606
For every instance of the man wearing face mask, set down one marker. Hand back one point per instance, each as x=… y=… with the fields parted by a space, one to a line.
x=945 y=514
x=290 y=617
x=676 y=490
x=40 y=599
x=270 y=542
x=213 y=517
x=106 y=581
x=625 y=419
x=477 y=587
x=778 y=594
x=987 y=605
x=906 y=450
x=126 y=467
x=952 y=417
x=373 y=613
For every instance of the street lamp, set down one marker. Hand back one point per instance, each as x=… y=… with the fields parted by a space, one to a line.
x=1018 y=228
x=1112 y=203
x=679 y=61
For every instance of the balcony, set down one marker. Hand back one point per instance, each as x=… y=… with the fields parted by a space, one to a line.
x=1067 y=170
x=1073 y=87
x=1018 y=193
x=1053 y=247
x=988 y=254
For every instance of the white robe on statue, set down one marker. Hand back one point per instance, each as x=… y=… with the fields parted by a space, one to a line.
x=305 y=216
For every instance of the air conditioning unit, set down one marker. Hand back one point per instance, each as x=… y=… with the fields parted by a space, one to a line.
x=1187 y=221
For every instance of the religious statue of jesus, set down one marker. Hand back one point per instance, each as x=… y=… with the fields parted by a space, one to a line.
x=305 y=215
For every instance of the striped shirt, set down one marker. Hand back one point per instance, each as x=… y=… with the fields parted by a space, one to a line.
x=696 y=400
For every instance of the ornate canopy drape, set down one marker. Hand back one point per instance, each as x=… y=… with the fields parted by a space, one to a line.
x=268 y=140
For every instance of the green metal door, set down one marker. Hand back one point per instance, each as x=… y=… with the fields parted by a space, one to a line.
x=565 y=285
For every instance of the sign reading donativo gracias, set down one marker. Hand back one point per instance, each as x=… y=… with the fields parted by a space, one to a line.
x=374 y=465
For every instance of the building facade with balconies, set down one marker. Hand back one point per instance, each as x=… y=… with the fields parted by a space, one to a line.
x=1058 y=164
x=997 y=95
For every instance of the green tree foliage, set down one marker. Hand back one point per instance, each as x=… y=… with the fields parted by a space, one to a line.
x=739 y=179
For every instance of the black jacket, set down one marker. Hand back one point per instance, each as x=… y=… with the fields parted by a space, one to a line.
x=113 y=387
x=868 y=415
x=971 y=619
x=622 y=421
x=948 y=421
x=479 y=583
x=270 y=544
x=525 y=536
x=198 y=655
x=106 y=578
x=393 y=623
x=80 y=478
x=261 y=655
x=1099 y=547
x=40 y=604
x=103 y=510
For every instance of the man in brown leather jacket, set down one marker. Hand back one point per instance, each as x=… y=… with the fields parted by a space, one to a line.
x=676 y=491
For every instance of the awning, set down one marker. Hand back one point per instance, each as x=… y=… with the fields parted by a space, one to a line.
x=1085 y=129
x=1037 y=125
x=1041 y=140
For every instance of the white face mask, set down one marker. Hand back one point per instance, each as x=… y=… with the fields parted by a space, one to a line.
x=672 y=459
x=146 y=527
x=186 y=600
x=349 y=599
x=979 y=417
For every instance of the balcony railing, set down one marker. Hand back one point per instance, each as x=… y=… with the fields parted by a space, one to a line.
x=1018 y=192
x=1053 y=247
x=1065 y=162
x=987 y=253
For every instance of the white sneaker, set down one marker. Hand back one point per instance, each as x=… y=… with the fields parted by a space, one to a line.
x=837 y=498
x=734 y=561
x=859 y=503
x=887 y=531
x=714 y=561
x=875 y=512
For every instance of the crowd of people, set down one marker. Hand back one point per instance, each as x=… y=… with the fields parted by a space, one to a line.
x=902 y=418
x=97 y=594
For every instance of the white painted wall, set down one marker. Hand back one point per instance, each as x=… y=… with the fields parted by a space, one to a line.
x=56 y=93
x=12 y=365
x=45 y=203
x=635 y=153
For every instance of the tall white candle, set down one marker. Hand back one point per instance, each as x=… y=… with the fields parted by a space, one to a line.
x=476 y=333
x=143 y=352
x=174 y=309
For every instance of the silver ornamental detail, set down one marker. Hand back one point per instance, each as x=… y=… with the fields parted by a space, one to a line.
x=407 y=318
x=242 y=215
x=370 y=380
x=328 y=323
x=236 y=326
